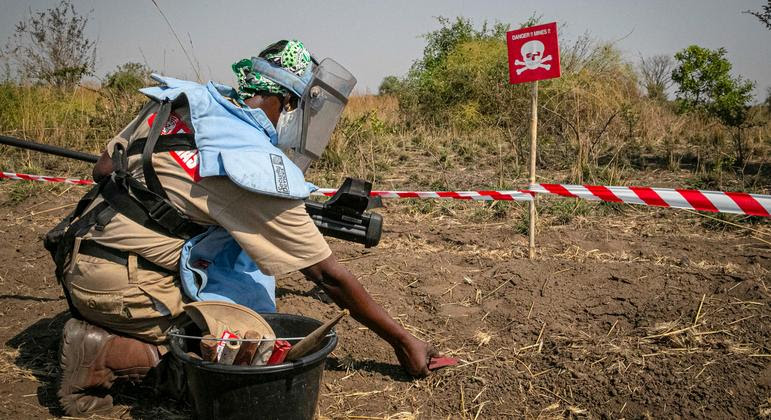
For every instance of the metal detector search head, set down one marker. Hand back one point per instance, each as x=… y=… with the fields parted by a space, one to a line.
x=344 y=216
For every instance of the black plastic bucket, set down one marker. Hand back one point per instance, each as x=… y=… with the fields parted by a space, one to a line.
x=285 y=391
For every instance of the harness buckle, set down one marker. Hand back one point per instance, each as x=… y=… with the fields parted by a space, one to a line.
x=162 y=212
x=167 y=216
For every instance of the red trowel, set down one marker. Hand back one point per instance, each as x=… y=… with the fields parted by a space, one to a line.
x=438 y=362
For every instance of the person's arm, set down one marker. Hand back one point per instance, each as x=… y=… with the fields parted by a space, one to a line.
x=348 y=293
x=280 y=236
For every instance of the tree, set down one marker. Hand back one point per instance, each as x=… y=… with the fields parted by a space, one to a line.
x=389 y=86
x=656 y=72
x=705 y=84
x=763 y=15
x=51 y=47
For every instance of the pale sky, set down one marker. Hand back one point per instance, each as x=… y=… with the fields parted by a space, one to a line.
x=374 y=39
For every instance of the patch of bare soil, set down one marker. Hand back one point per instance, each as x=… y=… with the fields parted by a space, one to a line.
x=644 y=313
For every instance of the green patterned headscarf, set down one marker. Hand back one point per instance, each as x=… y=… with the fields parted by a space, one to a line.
x=291 y=55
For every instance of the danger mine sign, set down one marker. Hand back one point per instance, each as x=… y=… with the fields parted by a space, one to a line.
x=534 y=53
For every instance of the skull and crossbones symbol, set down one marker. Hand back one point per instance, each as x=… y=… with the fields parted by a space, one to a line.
x=532 y=53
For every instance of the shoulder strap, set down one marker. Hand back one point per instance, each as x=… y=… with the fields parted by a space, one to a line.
x=151 y=178
x=147 y=203
x=148 y=209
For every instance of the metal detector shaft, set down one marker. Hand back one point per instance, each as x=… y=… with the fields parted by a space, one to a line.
x=47 y=148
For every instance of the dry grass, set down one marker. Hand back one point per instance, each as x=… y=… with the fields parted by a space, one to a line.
x=373 y=142
x=386 y=107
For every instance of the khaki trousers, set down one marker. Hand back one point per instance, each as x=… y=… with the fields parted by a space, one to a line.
x=127 y=299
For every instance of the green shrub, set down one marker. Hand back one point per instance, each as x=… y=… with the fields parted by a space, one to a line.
x=128 y=78
x=451 y=84
x=391 y=85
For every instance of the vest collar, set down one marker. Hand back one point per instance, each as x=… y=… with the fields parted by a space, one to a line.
x=253 y=116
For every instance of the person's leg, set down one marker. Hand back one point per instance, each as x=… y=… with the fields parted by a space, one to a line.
x=348 y=293
x=92 y=358
x=134 y=306
x=126 y=300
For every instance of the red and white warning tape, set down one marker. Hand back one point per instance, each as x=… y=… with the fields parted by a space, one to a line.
x=457 y=195
x=516 y=195
x=27 y=177
x=713 y=201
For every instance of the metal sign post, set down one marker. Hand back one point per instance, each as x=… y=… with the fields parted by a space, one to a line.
x=534 y=55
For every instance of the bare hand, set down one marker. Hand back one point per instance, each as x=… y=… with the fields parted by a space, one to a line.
x=414 y=356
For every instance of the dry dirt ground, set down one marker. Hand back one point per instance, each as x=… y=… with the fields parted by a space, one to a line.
x=634 y=314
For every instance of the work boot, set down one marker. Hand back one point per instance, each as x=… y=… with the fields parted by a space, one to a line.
x=94 y=358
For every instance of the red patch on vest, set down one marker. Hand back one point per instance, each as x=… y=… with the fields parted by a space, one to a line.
x=187 y=159
x=173 y=125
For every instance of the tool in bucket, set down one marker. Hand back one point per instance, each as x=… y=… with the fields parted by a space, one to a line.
x=236 y=335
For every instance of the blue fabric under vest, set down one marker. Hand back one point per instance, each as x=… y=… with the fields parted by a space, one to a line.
x=239 y=143
x=235 y=141
x=214 y=267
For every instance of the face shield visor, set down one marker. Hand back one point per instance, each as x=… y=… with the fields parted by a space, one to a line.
x=323 y=91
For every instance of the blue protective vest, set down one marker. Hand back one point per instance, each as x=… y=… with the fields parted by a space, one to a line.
x=237 y=142
x=240 y=144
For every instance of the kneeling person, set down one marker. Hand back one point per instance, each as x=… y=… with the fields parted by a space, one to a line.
x=201 y=198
